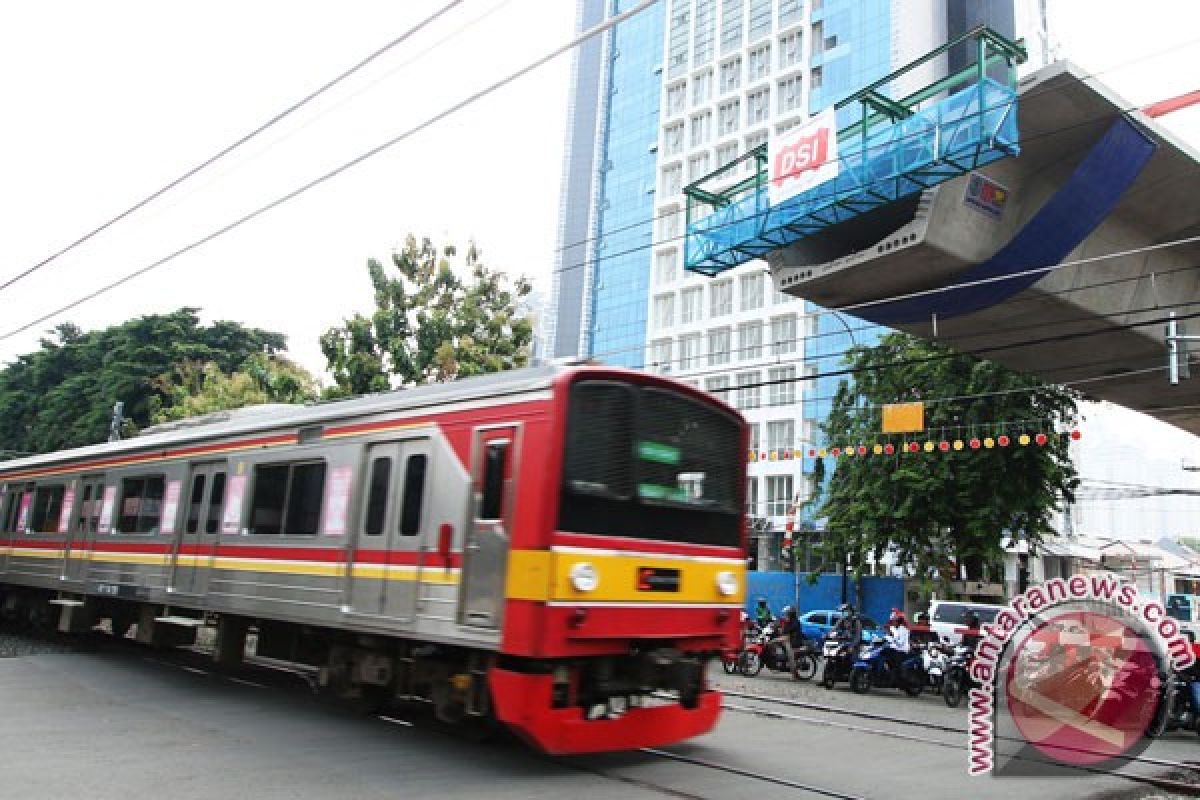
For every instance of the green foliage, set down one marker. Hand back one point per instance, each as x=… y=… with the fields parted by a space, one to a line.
x=430 y=324
x=193 y=388
x=62 y=394
x=931 y=507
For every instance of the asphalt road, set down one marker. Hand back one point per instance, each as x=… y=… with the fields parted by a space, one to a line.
x=122 y=721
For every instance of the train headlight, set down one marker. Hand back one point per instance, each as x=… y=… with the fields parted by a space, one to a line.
x=727 y=583
x=584 y=577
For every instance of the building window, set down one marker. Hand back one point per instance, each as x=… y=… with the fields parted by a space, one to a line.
x=698 y=166
x=751 y=497
x=789 y=11
x=718 y=347
x=789 y=50
x=664 y=267
x=141 y=504
x=669 y=220
x=818 y=36
x=760 y=19
x=731 y=26
x=677 y=98
x=702 y=87
x=781 y=434
x=747 y=392
x=691 y=302
x=673 y=139
x=816 y=78
x=783 y=386
x=287 y=498
x=758 y=106
x=706 y=22
x=717 y=384
x=760 y=63
x=728 y=114
x=721 y=299
x=752 y=291
x=789 y=94
x=779 y=298
x=664 y=310
x=779 y=495
x=731 y=75
x=701 y=128
x=727 y=153
x=672 y=179
x=660 y=355
x=750 y=340
x=677 y=46
x=783 y=335
x=689 y=351
x=753 y=141
x=753 y=438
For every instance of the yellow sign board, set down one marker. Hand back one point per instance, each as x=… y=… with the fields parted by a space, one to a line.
x=903 y=417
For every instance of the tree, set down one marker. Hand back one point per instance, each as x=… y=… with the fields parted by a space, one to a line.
x=430 y=324
x=194 y=388
x=62 y=394
x=960 y=505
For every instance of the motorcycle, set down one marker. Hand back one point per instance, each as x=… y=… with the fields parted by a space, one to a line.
x=840 y=655
x=731 y=657
x=934 y=662
x=872 y=669
x=1183 y=701
x=958 y=681
x=762 y=652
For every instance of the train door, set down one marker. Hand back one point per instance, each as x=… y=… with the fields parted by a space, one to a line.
x=196 y=538
x=386 y=569
x=485 y=557
x=83 y=532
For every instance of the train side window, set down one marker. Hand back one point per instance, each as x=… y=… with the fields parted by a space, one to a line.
x=287 y=498
x=414 y=493
x=93 y=517
x=85 y=508
x=141 y=504
x=11 y=509
x=381 y=476
x=47 y=506
x=196 y=503
x=216 y=503
x=495 y=459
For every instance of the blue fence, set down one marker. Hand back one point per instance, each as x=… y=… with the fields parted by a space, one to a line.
x=879 y=595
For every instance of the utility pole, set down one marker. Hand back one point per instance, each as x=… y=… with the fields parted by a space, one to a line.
x=118 y=417
x=1177 y=351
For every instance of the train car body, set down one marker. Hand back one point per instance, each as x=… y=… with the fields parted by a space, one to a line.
x=551 y=547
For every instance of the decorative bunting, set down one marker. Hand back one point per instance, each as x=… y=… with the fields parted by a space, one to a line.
x=929 y=446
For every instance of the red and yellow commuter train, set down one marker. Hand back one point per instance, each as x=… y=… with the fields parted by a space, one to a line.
x=560 y=549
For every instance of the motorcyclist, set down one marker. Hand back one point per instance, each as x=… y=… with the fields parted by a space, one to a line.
x=762 y=613
x=789 y=634
x=897 y=641
x=972 y=634
x=848 y=626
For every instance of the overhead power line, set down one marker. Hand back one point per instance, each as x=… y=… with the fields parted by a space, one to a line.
x=238 y=143
x=333 y=173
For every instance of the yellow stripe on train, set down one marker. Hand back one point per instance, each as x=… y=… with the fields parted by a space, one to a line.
x=550 y=576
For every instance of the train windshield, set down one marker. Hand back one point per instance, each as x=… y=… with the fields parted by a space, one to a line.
x=650 y=463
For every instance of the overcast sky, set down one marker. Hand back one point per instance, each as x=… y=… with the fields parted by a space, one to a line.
x=105 y=102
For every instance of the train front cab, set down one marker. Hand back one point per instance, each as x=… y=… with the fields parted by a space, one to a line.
x=633 y=578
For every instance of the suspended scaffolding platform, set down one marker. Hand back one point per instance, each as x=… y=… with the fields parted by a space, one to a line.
x=897 y=148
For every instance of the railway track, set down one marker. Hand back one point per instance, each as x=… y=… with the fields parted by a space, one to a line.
x=1170 y=784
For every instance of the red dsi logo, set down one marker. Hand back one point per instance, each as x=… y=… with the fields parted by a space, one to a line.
x=806 y=153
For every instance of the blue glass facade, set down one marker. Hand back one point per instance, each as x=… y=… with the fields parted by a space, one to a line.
x=851 y=47
x=621 y=253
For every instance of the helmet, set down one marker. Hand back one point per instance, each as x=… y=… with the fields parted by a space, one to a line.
x=787 y=610
x=762 y=601
x=846 y=608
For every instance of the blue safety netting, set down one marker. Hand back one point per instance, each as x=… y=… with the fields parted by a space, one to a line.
x=973 y=127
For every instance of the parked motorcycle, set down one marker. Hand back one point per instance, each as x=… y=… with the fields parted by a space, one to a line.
x=958 y=680
x=872 y=669
x=935 y=663
x=762 y=652
x=1183 y=701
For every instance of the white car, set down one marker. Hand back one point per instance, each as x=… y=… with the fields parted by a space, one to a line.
x=947 y=616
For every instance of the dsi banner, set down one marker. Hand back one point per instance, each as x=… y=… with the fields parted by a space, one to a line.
x=803 y=157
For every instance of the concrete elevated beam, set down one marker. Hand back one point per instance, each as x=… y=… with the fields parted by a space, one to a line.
x=937 y=238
